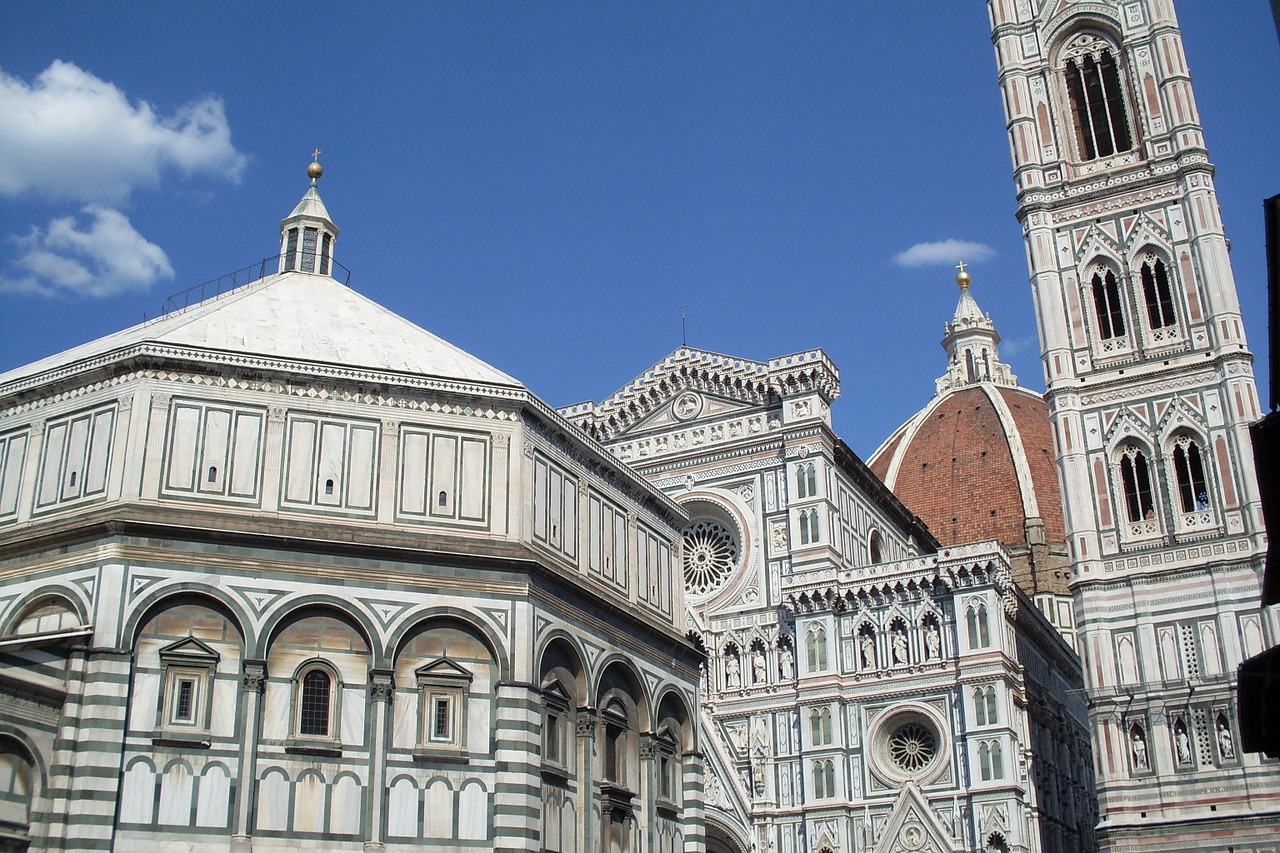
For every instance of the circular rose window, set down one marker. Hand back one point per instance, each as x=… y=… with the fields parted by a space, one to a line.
x=913 y=746
x=710 y=553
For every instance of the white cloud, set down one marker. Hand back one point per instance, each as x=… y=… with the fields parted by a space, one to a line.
x=1017 y=345
x=107 y=258
x=72 y=136
x=944 y=252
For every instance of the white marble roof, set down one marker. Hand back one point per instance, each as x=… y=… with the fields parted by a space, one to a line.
x=297 y=317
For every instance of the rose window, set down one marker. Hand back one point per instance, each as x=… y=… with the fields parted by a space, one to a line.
x=912 y=746
x=710 y=552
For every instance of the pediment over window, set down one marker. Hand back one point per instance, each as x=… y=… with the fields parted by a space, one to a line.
x=443 y=669
x=189 y=650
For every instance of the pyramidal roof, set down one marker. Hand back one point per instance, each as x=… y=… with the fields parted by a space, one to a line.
x=293 y=316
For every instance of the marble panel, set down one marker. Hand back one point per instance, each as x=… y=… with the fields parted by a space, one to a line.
x=214 y=797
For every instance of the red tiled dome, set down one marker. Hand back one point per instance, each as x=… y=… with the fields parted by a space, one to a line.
x=977 y=463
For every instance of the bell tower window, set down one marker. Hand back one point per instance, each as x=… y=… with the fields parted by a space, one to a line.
x=1156 y=293
x=1188 y=469
x=1106 y=301
x=1135 y=477
x=1097 y=103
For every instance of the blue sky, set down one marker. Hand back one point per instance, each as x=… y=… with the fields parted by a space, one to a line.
x=545 y=185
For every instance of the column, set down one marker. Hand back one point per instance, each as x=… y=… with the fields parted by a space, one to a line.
x=255 y=677
x=585 y=767
x=381 y=690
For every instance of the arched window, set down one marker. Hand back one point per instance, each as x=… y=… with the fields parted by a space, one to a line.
x=824 y=779
x=979 y=633
x=984 y=706
x=990 y=760
x=1156 y=293
x=1097 y=100
x=808 y=526
x=816 y=647
x=806 y=480
x=1188 y=470
x=876 y=547
x=315 y=702
x=820 y=726
x=17 y=780
x=1135 y=479
x=1106 y=304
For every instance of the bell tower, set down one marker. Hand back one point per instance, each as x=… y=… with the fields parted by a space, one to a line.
x=1150 y=390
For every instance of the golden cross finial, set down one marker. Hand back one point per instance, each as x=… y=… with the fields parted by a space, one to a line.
x=960 y=266
x=315 y=156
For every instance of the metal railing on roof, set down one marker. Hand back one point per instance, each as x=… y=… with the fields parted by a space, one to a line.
x=228 y=282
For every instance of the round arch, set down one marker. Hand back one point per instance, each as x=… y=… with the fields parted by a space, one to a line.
x=146 y=609
x=468 y=620
x=320 y=604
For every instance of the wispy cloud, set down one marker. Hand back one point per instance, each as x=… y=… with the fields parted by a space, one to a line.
x=943 y=252
x=106 y=258
x=72 y=136
x=69 y=136
x=1017 y=345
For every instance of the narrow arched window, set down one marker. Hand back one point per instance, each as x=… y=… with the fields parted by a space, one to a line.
x=1188 y=468
x=1097 y=104
x=979 y=633
x=997 y=760
x=980 y=706
x=876 y=547
x=808 y=526
x=811 y=478
x=1156 y=294
x=817 y=649
x=314 y=703
x=989 y=697
x=984 y=761
x=1135 y=478
x=1106 y=303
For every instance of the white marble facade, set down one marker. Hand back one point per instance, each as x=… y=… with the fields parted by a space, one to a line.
x=864 y=689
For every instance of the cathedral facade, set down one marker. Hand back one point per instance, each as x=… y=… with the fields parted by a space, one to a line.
x=866 y=688
x=1150 y=392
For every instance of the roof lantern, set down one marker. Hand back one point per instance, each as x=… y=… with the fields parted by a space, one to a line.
x=307 y=235
x=971 y=344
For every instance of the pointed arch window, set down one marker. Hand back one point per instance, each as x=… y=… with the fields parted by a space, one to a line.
x=1097 y=102
x=806 y=480
x=808 y=526
x=991 y=760
x=1107 y=306
x=824 y=779
x=820 y=726
x=1135 y=479
x=1188 y=470
x=1157 y=294
x=816 y=648
x=984 y=706
x=979 y=632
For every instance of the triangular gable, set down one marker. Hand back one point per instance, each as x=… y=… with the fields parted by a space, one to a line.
x=1147 y=232
x=189 y=649
x=912 y=824
x=1097 y=243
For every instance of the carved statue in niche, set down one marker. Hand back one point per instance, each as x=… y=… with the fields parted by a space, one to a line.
x=1226 y=744
x=900 y=646
x=1138 y=748
x=1182 y=743
x=713 y=789
x=759 y=666
x=786 y=663
x=732 y=669
x=867 y=648
x=932 y=642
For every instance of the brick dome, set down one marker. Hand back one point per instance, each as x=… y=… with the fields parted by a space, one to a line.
x=977 y=462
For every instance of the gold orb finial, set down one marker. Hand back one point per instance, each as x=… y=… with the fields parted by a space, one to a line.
x=962 y=278
x=314 y=169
